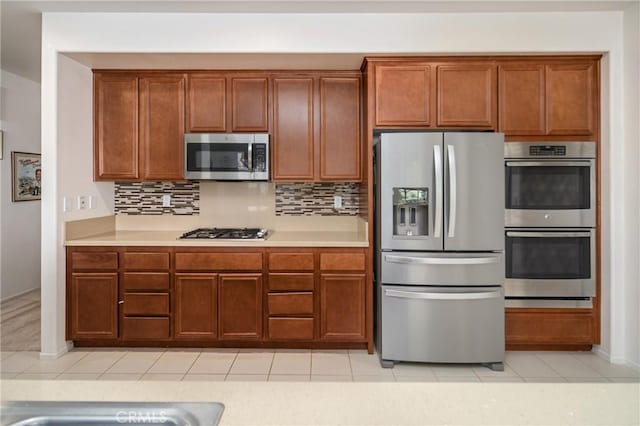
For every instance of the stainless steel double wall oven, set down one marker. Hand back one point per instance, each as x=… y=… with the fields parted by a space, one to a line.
x=550 y=219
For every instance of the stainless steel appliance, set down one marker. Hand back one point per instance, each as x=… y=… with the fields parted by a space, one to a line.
x=439 y=245
x=227 y=234
x=226 y=156
x=550 y=267
x=550 y=184
x=550 y=216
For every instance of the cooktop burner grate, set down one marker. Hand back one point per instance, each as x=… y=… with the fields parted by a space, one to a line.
x=226 y=233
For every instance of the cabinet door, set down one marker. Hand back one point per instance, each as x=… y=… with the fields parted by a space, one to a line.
x=402 y=95
x=196 y=306
x=249 y=97
x=342 y=306
x=115 y=127
x=293 y=129
x=240 y=306
x=521 y=99
x=571 y=96
x=94 y=306
x=466 y=95
x=206 y=103
x=162 y=127
x=340 y=129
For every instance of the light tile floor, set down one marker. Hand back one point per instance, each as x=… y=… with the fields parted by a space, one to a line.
x=302 y=366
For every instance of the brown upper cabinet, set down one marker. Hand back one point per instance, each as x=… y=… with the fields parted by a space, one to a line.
x=206 y=106
x=138 y=126
x=115 y=126
x=317 y=128
x=293 y=129
x=466 y=95
x=435 y=94
x=548 y=98
x=219 y=102
x=162 y=127
x=403 y=94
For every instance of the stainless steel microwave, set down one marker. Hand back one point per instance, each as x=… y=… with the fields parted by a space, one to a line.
x=226 y=156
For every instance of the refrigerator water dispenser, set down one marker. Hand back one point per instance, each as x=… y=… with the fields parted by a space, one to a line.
x=410 y=212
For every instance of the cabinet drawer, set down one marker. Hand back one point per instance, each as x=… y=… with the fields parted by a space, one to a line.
x=132 y=281
x=291 y=261
x=291 y=328
x=342 y=261
x=145 y=261
x=94 y=260
x=219 y=261
x=290 y=282
x=146 y=304
x=145 y=328
x=290 y=303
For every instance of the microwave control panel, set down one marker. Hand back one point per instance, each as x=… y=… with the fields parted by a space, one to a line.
x=259 y=157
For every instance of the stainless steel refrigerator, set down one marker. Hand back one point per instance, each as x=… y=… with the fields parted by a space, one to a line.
x=440 y=247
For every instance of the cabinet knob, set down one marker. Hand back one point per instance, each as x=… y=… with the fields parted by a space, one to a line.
x=120 y=302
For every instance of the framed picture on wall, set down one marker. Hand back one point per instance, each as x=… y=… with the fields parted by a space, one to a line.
x=26 y=176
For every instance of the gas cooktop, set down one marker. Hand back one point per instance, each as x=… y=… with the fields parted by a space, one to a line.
x=226 y=234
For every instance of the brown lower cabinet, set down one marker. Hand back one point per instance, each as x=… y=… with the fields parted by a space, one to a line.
x=240 y=307
x=187 y=296
x=93 y=312
x=196 y=306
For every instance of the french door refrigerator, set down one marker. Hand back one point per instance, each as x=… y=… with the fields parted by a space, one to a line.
x=440 y=247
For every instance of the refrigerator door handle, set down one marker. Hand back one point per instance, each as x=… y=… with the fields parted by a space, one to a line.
x=442 y=296
x=437 y=159
x=443 y=260
x=453 y=190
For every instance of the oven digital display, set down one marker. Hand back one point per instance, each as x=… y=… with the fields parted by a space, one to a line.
x=548 y=150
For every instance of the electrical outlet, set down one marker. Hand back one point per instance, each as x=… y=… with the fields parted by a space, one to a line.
x=166 y=200
x=83 y=202
x=337 y=201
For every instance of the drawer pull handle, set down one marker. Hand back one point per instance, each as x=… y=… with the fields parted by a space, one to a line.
x=443 y=260
x=442 y=296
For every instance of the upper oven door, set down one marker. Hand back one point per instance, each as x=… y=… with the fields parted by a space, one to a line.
x=550 y=193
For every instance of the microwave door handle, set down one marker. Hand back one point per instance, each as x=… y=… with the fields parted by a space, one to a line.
x=548 y=234
x=550 y=163
x=438 y=189
x=250 y=157
x=453 y=190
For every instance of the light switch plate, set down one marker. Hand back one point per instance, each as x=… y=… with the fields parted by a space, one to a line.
x=67 y=205
x=92 y=201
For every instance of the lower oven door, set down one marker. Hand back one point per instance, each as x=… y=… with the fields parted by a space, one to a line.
x=550 y=263
x=442 y=324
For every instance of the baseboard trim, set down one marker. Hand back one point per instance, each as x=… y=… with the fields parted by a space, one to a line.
x=47 y=355
x=15 y=296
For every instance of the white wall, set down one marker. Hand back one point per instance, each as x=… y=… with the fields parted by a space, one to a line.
x=20 y=221
x=369 y=33
x=632 y=178
x=72 y=159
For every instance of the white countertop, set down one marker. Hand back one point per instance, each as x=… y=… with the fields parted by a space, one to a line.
x=298 y=403
x=275 y=239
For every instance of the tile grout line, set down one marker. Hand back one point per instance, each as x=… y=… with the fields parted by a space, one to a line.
x=231 y=366
x=566 y=379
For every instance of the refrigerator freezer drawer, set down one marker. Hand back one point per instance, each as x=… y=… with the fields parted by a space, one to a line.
x=442 y=269
x=442 y=324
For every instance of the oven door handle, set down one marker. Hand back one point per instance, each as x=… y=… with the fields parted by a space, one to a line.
x=442 y=260
x=551 y=163
x=548 y=234
x=443 y=296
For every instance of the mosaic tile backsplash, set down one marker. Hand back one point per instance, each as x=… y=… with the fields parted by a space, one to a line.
x=145 y=198
x=316 y=199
